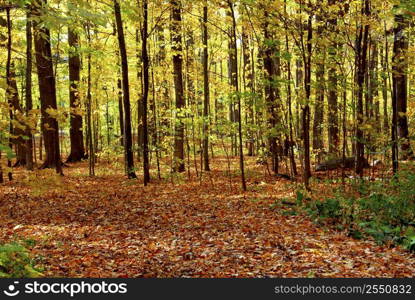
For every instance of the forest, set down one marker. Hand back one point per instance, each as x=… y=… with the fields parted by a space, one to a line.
x=207 y=138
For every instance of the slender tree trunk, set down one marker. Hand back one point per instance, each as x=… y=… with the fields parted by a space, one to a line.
x=90 y=135
x=140 y=79
x=306 y=107
x=178 y=164
x=385 y=75
x=238 y=97
x=318 y=144
x=289 y=98
x=128 y=140
x=12 y=96
x=332 y=113
x=47 y=88
x=205 y=88
x=361 y=57
x=8 y=96
x=146 y=65
x=28 y=90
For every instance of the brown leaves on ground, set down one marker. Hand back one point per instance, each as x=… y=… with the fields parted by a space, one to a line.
x=109 y=226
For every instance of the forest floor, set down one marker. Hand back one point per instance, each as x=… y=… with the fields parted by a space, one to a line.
x=108 y=226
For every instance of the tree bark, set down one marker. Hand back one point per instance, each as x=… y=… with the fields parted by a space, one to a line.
x=146 y=65
x=206 y=94
x=270 y=94
x=76 y=135
x=128 y=140
x=332 y=116
x=47 y=88
x=318 y=144
x=12 y=96
x=361 y=62
x=400 y=83
x=28 y=90
x=178 y=164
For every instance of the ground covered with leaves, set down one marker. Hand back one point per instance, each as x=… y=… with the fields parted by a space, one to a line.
x=108 y=226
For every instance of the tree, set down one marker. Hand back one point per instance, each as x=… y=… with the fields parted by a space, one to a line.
x=270 y=92
x=76 y=134
x=28 y=89
x=235 y=76
x=12 y=95
x=206 y=97
x=146 y=65
x=178 y=164
x=47 y=87
x=400 y=83
x=128 y=140
x=332 y=116
x=361 y=62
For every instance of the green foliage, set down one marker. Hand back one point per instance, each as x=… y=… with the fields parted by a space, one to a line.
x=15 y=262
x=384 y=211
x=9 y=152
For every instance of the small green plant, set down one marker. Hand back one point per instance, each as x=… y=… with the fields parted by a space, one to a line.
x=15 y=262
x=384 y=211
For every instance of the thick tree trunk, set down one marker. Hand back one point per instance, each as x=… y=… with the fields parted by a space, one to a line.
x=47 y=88
x=128 y=139
x=178 y=164
x=270 y=95
x=400 y=83
x=76 y=134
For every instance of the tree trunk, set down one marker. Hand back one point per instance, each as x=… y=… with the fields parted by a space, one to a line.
x=76 y=135
x=47 y=89
x=128 y=140
x=146 y=63
x=178 y=164
x=270 y=94
x=306 y=107
x=318 y=144
x=236 y=90
x=332 y=116
x=28 y=90
x=12 y=96
x=400 y=83
x=205 y=88
x=361 y=61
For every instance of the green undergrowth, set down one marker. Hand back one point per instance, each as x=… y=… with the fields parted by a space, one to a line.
x=382 y=210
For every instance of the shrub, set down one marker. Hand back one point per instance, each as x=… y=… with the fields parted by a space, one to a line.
x=382 y=210
x=15 y=262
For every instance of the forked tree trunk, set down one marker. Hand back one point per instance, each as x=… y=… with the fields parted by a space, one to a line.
x=128 y=140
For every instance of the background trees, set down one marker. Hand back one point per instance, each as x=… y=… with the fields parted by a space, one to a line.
x=214 y=78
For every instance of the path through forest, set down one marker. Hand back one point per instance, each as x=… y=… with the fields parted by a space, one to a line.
x=109 y=226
